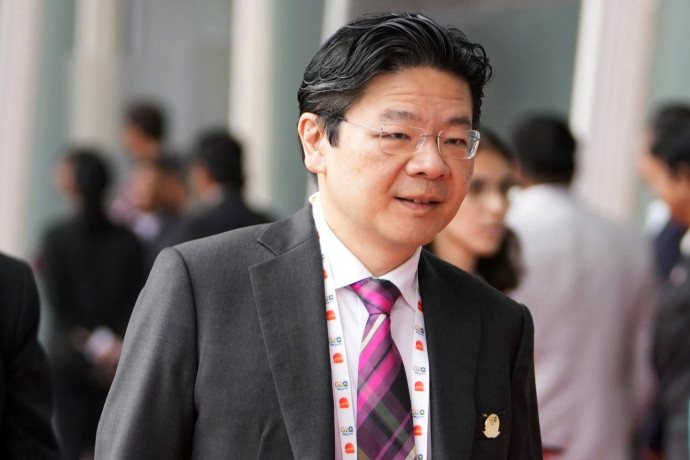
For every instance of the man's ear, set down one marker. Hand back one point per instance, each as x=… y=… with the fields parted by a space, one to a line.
x=314 y=140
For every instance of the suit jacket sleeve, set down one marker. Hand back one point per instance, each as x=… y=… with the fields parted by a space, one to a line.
x=150 y=410
x=526 y=436
x=25 y=428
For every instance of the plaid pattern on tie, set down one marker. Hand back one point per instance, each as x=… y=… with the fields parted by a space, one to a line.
x=384 y=419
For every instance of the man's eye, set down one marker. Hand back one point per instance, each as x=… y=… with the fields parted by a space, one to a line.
x=456 y=141
x=395 y=136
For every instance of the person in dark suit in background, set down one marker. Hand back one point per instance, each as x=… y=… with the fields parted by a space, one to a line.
x=321 y=336
x=142 y=136
x=144 y=128
x=25 y=392
x=669 y=122
x=92 y=272
x=671 y=347
x=160 y=197
x=216 y=177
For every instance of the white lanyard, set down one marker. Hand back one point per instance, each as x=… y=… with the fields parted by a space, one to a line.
x=345 y=397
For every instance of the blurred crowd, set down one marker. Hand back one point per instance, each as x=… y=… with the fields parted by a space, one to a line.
x=94 y=261
x=611 y=307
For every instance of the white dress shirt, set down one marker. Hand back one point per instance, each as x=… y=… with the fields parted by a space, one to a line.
x=346 y=269
x=590 y=287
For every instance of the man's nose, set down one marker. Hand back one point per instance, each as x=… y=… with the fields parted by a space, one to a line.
x=427 y=159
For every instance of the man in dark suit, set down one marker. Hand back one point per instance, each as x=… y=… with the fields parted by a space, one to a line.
x=25 y=393
x=670 y=345
x=331 y=334
x=216 y=177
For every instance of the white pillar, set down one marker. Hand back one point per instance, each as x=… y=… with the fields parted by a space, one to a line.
x=19 y=52
x=94 y=103
x=612 y=70
x=250 y=93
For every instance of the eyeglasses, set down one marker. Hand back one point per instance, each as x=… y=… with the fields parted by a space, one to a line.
x=456 y=143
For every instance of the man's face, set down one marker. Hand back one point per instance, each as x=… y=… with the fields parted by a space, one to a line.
x=137 y=144
x=396 y=202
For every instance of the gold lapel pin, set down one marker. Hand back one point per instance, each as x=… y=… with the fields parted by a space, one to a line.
x=491 y=426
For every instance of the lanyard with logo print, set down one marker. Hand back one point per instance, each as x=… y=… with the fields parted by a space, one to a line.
x=345 y=397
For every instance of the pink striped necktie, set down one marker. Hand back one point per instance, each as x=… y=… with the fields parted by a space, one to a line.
x=384 y=419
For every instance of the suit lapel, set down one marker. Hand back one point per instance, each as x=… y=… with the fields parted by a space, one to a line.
x=289 y=295
x=453 y=326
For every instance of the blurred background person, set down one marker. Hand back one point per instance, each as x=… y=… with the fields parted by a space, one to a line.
x=142 y=136
x=92 y=273
x=477 y=239
x=669 y=122
x=671 y=349
x=159 y=195
x=590 y=285
x=25 y=390
x=216 y=178
x=143 y=130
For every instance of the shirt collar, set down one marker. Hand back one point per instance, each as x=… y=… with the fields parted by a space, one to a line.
x=347 y=269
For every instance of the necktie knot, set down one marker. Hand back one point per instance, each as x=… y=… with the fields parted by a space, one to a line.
x=378 y=295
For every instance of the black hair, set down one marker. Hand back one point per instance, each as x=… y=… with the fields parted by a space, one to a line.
x=376 y=44
x=674 y=150
x=669 y=116
x=670 y=126
x=222 y=154
x=148 y=117
x=91 y=177
x=545 y=148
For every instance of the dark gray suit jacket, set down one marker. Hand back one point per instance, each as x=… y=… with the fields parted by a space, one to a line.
x=226 y=356
x=671 y=358
x=25 y=392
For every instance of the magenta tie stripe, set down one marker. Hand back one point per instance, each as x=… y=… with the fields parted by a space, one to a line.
x=384 y=420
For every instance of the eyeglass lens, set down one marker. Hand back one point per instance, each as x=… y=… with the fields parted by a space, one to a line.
x=454 y=142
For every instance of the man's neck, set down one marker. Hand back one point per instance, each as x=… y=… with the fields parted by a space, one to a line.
x=377 y=257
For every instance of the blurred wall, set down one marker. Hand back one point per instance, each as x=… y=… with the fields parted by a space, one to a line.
x=178 y=52
x=670 y=71
x=297 y=38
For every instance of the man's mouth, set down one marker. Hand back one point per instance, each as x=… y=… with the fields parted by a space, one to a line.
x=418 y=201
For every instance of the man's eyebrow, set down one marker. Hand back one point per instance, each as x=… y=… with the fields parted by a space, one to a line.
x=397 y=115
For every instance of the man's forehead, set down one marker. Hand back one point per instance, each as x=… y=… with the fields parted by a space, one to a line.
x=393 y=115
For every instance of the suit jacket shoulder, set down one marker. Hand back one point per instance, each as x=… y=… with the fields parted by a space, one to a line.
x=226 y=352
